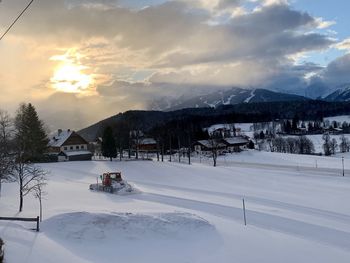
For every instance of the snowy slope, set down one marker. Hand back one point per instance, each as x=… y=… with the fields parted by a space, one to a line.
x=187 y=213
x=340 y=94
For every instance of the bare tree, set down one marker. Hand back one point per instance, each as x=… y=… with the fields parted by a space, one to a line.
x=6 y=131
x=214 y=145
x=291 y=145
x=334 y=145
x=279 y=144
x=327 y=144
x=38 y=192
x=136 y=138
x=305 y=145
x=344 y=144
x=28 y=176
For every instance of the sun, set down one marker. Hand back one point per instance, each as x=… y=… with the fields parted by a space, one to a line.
x=70 y=76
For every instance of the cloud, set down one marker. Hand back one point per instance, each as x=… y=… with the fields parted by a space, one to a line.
x=344 y=45
x=166 y=49
x=337 y=72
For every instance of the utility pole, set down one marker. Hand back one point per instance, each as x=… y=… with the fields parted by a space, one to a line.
x=342 y=159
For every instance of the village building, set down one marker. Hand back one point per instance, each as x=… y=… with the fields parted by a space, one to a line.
x=67 y=145
x=232 y=144
x=147 y=145
x=206 y=146
x=235 y=144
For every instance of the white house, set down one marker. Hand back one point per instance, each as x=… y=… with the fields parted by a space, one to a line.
x=69 y=146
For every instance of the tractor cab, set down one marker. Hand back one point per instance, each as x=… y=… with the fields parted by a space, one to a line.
x=109 y=178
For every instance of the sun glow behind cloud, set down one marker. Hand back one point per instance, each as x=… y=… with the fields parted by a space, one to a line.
x=70 y=76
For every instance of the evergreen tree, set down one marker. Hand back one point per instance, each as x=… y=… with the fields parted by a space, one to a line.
x=262 y=135
x=310 y=127
x=251 y=145
x=295 y=123
x=31 y=138
x=5 y=138
x=109 y=148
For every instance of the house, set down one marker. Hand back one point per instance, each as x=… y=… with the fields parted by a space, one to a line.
x=68 y=146
x=235 y=144
x=147 y=145
x=209 y=146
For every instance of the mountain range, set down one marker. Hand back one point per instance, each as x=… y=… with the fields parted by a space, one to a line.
x=235 y=96
x=227 y=97
x=341 y=94
x=236 y=104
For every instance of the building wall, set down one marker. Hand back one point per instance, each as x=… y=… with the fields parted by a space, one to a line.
x=148 y=147
x=74 y=147
x=62 y=158
x=84 y=157
x=54 y=149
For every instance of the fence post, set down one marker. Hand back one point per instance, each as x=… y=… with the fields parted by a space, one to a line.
x=37 y=224
x=245 y=219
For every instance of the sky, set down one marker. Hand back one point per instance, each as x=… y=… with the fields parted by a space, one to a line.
x=80 y=61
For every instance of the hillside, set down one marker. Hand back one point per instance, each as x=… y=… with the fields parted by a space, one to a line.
x=204 y=117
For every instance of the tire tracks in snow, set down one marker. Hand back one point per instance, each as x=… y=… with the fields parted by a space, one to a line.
x=343 y=218
x=309 y=231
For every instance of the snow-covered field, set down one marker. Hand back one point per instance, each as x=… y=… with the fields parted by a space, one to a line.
x=295 y=213
x=318 y=141
x=340 y=119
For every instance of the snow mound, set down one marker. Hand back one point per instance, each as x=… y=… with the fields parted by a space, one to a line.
x=126 y=226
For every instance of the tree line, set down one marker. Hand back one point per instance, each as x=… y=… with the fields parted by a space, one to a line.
x=205 y=117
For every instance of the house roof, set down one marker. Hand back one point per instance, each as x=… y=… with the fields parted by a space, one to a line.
x=66 y=137
x=147 y=141
x=59 y=137
x=216 y=127
x=209 y=144
x=236 y=140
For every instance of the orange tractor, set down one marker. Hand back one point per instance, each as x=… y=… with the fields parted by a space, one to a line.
x=111 y=182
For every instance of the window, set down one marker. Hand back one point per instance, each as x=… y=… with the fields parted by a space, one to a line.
x=65 y=148
x=77 y=147
x=71 y=147
x=82 y=147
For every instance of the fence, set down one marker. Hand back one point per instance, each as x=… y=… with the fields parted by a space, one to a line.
x=25 y=219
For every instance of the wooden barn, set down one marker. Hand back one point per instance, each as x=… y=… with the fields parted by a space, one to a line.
x=67 y=145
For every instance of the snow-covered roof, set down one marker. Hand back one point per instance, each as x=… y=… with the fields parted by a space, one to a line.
x=210 y=144
x=216 y=127
x=147 y=141
x=236 y=140
x=59 y=137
